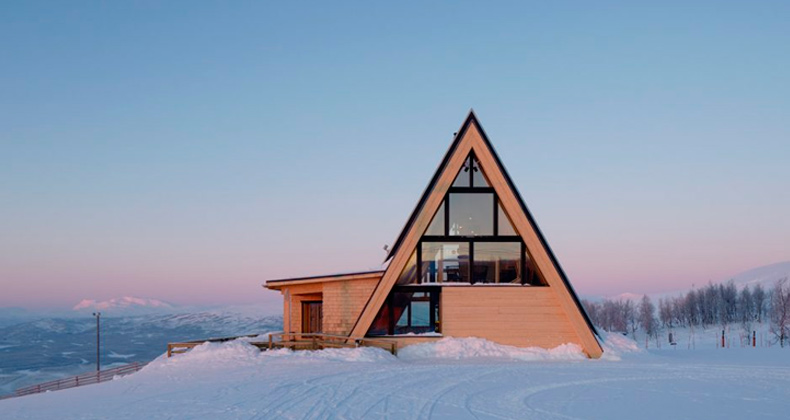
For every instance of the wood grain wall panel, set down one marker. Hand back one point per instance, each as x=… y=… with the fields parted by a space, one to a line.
x=343 y=303
x=523 y=316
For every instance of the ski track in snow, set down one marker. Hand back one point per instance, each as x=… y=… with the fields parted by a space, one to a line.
x=243 y=385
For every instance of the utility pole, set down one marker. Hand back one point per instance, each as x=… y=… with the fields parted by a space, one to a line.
x=98 y=317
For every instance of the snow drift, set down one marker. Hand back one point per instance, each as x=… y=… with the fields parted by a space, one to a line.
x=465 y=348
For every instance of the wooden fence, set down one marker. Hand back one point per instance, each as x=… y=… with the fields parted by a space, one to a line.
x=79 y=380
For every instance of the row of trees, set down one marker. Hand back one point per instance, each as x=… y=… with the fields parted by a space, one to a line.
x=712 y=305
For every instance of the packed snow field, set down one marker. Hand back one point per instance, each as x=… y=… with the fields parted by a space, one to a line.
x=450 y=379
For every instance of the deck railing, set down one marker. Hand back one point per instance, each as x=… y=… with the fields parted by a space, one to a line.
x=79 y=380
x=316 y=341
x=184 y=346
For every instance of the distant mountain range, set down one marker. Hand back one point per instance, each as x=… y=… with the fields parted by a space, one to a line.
x=766 y=276
x=36 y=348
x=126 y=305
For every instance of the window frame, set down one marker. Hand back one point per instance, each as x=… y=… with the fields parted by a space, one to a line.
x=471 y=239
x=434 y=299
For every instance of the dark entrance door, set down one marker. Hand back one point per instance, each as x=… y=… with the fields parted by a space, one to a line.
x=311 y=317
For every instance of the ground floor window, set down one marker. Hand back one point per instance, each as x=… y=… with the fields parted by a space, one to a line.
x=408 y=310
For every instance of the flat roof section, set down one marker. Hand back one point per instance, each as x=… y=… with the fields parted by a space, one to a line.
x=279 y=283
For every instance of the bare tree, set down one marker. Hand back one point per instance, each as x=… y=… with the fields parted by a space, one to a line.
x=647 y=317
x=780 y=310
x=728 y=303
x=593 y=311
x=629 y=313
x=758 y=301
x=665 y=312
x=746 y=310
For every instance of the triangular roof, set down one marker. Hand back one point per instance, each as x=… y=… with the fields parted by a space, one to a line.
x=471 y=138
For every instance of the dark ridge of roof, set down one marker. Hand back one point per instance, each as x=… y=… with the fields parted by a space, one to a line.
x=472 y=118
x=357 y=273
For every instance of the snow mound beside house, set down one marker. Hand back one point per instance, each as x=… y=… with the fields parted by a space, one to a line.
x=208 y=356
x=615 y=345
x=240 y=353
x=467 y=348
x=359 y=355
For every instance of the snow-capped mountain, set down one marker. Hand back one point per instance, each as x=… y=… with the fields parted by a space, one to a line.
x=636 y=297
x=126 y=305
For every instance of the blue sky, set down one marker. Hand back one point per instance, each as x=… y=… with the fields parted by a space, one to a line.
x=188 y=151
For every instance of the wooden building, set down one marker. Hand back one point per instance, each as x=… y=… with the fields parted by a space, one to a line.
x=470 y=262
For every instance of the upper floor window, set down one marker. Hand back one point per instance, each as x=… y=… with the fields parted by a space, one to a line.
x=470 y=239
x=470 y=175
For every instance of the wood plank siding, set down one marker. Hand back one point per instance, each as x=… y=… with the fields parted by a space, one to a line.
x=343 y=302
x=516 y=316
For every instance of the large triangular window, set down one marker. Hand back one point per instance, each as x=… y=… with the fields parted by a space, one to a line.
x=470 y=240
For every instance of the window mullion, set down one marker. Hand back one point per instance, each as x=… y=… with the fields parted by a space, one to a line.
x=471 y=170
x=496 y=216
x=446 y=216
x=471 y=262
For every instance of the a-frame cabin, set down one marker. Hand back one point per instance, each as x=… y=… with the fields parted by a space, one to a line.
x=470 y=262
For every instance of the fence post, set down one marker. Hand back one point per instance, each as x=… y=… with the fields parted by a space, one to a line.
x=754 y=338
x=270 y=341
x=722 y=338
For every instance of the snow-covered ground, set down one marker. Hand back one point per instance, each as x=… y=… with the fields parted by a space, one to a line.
x=453 y=379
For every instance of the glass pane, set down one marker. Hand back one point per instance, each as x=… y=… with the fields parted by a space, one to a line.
x=532 y=274
x=471 y=214
x=413 y=312
x=445 y=262
x=504 y=226
x=478 y=178
x=497 y=262
x=436 y=228
x=381 y=324
x=409 y=273
x=400 y=310
x=421 y=313
x=404 y=318
x=462 y=179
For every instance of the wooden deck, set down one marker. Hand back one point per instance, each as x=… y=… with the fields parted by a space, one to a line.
x=293 y=341
x=184 y=346
x=318 y=341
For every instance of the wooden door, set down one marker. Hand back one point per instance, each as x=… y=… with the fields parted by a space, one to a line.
x=311 y=317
